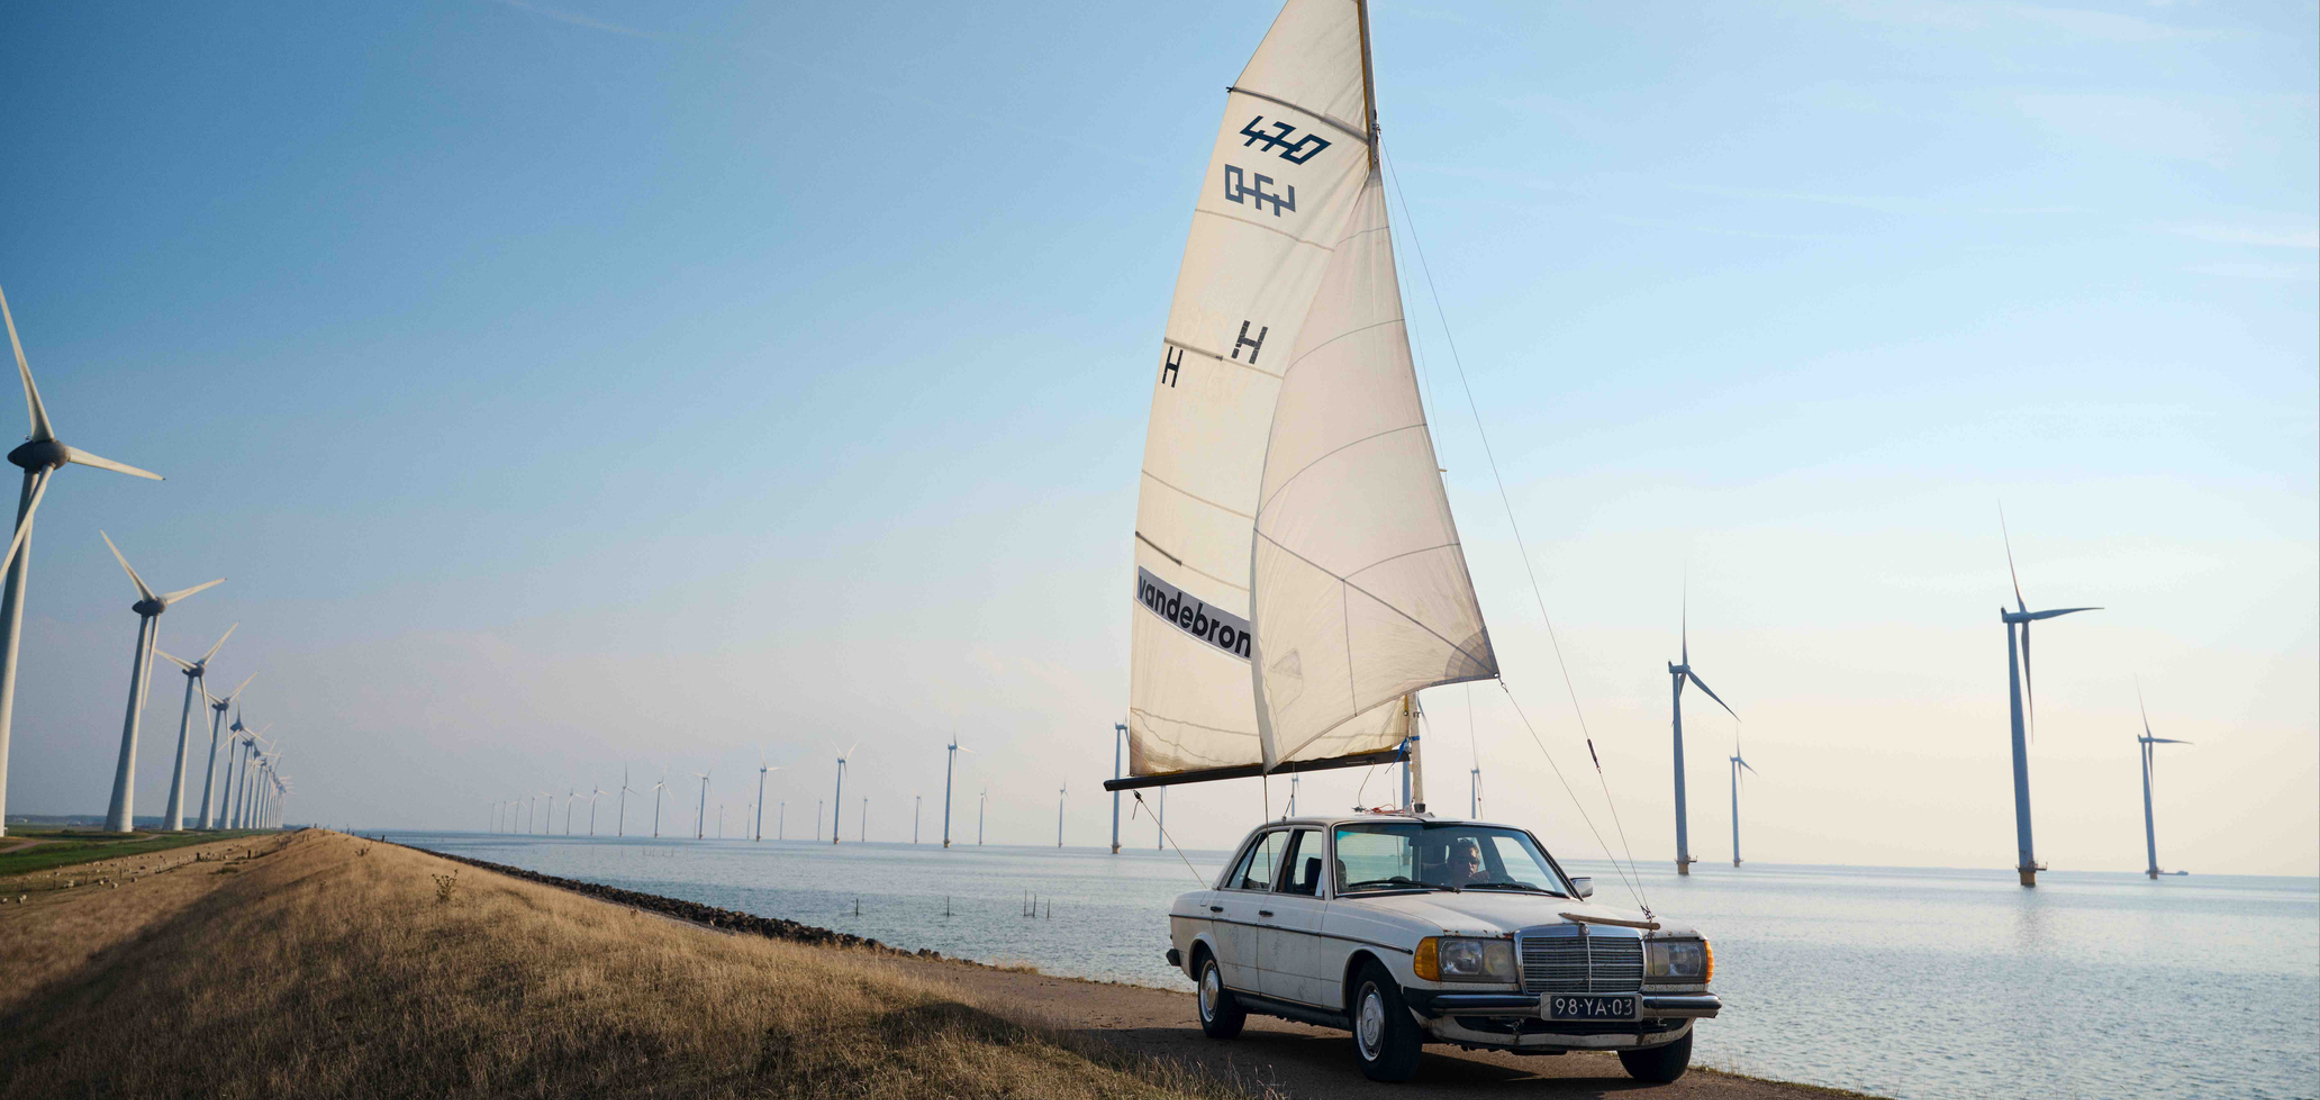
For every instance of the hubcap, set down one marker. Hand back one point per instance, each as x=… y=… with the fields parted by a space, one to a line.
x=1371 y=1025
x=1209 y=988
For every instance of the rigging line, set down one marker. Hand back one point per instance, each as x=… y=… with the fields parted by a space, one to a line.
x=1538 y=595
x=1634 y=885
x=1171 y=841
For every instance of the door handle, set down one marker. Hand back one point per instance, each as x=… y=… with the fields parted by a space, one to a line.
x=1264 y=912
x=1216 y=909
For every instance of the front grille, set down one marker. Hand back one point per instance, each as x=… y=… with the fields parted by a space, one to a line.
x=1596 y=963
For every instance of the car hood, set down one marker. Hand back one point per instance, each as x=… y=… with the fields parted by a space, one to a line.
x=1492 y=913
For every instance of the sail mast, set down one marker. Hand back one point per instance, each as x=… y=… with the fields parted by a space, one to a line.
x=1368 y=86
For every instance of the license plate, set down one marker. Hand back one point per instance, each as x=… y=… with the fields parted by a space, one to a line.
x=1560 y=1007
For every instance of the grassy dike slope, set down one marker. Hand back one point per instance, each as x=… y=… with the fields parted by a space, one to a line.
x=321 y=966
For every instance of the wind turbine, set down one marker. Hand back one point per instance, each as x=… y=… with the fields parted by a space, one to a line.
x=701 y=813
x=551 y=829
x=838 y=799
x=40 y=457
x=227 y=803
x=657 y=788
x=2019 y=691
x=1059 y=793
x=621 y=829
x=1737 y=764
x=1681 y=673
x=1119 y=738
x=2150 y=834
x=864 y=835
x=245 y=795
x=595 y=796
x=1293 y=777
x=763 y=768
x=982 y=808
x=173 y=816
x=950 y=765
x=917 y=802
x=217 y=715
x=818 y=821
x=148 y=607
x=570 y=798
x=780 y=818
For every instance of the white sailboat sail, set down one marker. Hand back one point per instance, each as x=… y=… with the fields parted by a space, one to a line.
x=1287 y=171
x=1360 y=588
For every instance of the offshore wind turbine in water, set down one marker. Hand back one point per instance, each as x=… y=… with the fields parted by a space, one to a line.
x=40 y=456
x=1737 y=764
x=701 y=812
x=149 y=606
x=1681 y=673
x=2144 y=743
x=838 y=797
x=2018 y=693
x=950 y=767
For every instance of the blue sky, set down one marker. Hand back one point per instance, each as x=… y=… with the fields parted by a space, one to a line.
x=565 y=387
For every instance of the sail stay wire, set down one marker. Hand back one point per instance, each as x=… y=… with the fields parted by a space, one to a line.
x=1634 y=885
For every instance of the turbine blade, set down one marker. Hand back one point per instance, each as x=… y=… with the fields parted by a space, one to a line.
x=1703 y=686
x=1749 y=766
x=221 y=642
x=2034 y=616
x=142 y=591
x=1686 y=621
x=24 y=527
x=39 y=412
x=82 y=458
x=2171 y=741
x=178 y=661
x=184 y=592
x=2020 y=605
x=238 y=690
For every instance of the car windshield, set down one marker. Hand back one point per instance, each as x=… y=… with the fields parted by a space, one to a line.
x=1449 y=856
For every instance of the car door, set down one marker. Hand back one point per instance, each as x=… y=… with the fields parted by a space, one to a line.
x=1289 y=944
x=1234 y=911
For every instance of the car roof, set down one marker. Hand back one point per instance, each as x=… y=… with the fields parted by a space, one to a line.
x=1388 y=817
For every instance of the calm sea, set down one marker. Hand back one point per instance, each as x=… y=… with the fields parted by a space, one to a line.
x=1907 y=983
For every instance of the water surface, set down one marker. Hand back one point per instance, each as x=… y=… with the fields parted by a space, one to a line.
x=1909 y=983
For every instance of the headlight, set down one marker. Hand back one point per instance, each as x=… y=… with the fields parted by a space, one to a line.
x=1678 y=961
x=1462 y=959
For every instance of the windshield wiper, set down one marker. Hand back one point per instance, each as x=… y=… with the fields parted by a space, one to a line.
x=1523 y=886
x=1402 y=881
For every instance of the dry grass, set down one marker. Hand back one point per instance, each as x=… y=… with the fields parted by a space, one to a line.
x=318 y=972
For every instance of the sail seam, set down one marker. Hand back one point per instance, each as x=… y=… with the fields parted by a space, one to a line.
x=1324 y=457
x=1381 y=603
x=1202 y=499
x=1156 y=546
x=1350 y=131
x=1397 y=557
x=1307 y=242
x=1309 y=352
x=1221 y=359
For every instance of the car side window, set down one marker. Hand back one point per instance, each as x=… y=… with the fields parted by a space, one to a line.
x=1301 y=869
x=1264 y=860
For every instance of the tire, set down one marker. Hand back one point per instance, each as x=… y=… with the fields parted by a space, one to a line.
x=1659 y=1065
x=1385 y=1037
x=1221 y=1014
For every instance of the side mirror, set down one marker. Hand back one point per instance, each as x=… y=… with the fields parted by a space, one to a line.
x=1584 y=885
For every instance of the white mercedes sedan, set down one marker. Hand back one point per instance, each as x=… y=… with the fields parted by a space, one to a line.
x=1406 y=929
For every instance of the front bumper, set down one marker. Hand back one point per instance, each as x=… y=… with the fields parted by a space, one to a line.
x=1433 y=1004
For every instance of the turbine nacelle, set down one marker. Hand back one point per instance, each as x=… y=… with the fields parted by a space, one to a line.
x=41 y=454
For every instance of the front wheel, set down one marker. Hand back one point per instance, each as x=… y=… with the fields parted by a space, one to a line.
x=1659 y=1065
x=1384 y=1035
x=1221 y=1015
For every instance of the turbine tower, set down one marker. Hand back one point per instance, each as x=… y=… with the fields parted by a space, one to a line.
x=1737 y=764
x=621 y=828
x=1679 y=674
x=950 y=765
x=701 y=812
x=762 y=768
x=217 y=715
x=2150 y=833
x=40 y=457
x=2019 y=691
x=569 y=798
x=982 y=806
x=173 y=816
x=595 y=795
x=149 y=606
x=1119 y=738
x=657 y=788
x=1059 y=793
x=917 y=803
x=838 y=799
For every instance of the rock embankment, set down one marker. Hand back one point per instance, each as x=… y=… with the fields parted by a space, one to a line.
x=730 y=920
